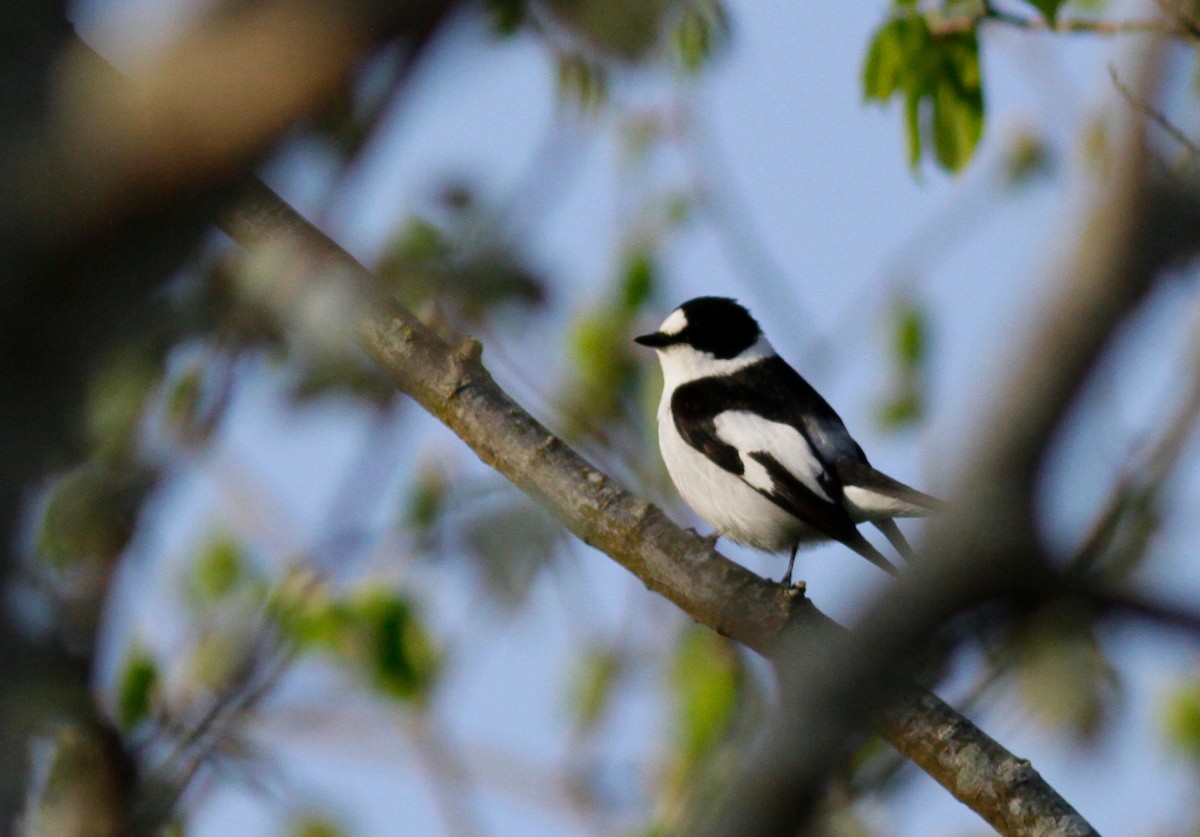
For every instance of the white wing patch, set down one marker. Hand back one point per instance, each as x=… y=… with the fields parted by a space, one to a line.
x=751 y=433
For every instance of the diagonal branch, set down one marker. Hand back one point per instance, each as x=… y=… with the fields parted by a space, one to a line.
x=452 y=384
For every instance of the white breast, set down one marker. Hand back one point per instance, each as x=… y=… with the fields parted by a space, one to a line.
x=723 y=499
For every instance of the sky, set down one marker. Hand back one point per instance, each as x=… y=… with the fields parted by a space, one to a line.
x=835 y=225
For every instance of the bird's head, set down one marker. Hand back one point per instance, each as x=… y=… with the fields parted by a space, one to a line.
x=708 y=335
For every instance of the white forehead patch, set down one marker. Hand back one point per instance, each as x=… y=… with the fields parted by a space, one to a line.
x=675 y=323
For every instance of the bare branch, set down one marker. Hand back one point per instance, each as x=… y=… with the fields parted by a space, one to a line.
x=1152 y=113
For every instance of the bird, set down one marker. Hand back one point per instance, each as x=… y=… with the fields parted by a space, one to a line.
x=756 y=451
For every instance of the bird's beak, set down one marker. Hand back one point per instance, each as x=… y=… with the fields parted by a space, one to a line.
x=657 y=340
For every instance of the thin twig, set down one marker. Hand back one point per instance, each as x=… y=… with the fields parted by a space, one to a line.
x=1152 y=113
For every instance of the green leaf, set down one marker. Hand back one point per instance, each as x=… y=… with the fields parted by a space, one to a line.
x=1048 y=8
x=706 y=680
x=594 y=679
x=639 y=278
x=623 y=29
x=1062 y=670
x=88 y=516
x=883 y=68
x=117 y=396
x=1182 y=719
x=137 y=687
x=582 y=82
x=909 y=334
x=938 y=77
x=401 y=658
x=312 y=824
x=507 y=16
x=702 y=27
x=957 y=125
x=512 y=543
x=219 y=568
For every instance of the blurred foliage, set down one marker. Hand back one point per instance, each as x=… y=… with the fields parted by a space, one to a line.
x=1027 y=157
x=938 y=78
x=219 y=569
x=137 y=688
x=701 y=31
x=622 y=29
x=374 y=631
x=511 y=544
x=117 y=396
x=594 y=681
x=1048 y=8
x=706 y=678
x=1064 y=675
x=88 y=515
x=424 y=506
x=470 y=262
x=709 y=693
x=315 y=824
x=604 y=364
x=582 y=82
x=507 y=16
x=905 y=403
x=1181 y=717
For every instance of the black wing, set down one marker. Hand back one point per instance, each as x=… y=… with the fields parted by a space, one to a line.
x=767 y=389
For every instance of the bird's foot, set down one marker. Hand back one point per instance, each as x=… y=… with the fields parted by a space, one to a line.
x=794 y=588
x=709 y=540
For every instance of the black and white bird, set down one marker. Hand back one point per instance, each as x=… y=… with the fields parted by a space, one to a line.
x=756 y=451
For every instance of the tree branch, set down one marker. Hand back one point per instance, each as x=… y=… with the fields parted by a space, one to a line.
x=452 y=384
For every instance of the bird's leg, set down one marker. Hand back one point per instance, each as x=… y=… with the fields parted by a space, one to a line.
x=786 y=581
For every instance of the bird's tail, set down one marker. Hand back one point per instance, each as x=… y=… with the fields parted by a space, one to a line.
x=875 y=495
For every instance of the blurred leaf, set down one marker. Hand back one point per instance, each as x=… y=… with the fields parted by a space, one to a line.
x=470 y=265
x=595 y=676
x=304 y=609
x=701 y=29
x=512 y=544
x=425 y=503
x=375 y=631
x=402 y=659
x=339 y=122
x=507 y=16
x=1048 y=8
x=218 y=653
x=958 y=106
x=1182 y=719
x=905 y=403
x=582 y=82
x=116 y=399
x=88 y=515
x=706 y=677
x=605 y=369
x=1063 y=673
x=219 y=568
x=1027 y=157
x=883 y=68
x=313 y=824
x=343 y=374
x=909 y=333
x=137 y=687
x=624 y=29
x=938 y=77
x=639 y=278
